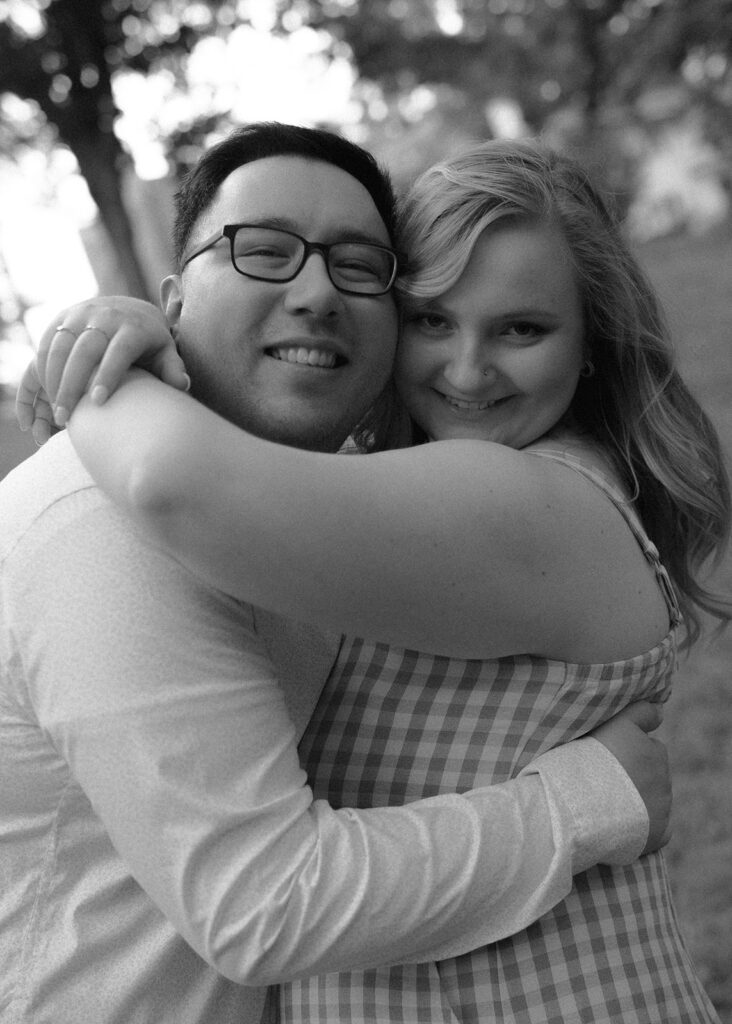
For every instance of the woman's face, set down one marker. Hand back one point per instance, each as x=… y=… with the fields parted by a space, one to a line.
x=497 y=357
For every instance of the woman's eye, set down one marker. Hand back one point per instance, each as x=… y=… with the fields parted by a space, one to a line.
x=524 y=330
x=429 y=322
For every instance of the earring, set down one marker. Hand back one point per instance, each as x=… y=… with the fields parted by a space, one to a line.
x=588 y=369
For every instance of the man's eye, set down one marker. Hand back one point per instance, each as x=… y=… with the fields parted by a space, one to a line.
x=262 y=252
x=355 y=269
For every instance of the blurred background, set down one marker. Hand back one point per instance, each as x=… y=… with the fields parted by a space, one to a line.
x=104 y=103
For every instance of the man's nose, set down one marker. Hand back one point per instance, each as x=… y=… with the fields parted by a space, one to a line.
x=312 y=290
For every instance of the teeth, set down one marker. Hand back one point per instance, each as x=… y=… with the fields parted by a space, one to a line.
x=460 y=403
x=300 y=354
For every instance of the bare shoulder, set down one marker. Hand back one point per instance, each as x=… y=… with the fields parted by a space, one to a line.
x=575 y=445
x=613 y=594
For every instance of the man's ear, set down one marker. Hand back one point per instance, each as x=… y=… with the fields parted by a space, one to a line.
x=171 y=301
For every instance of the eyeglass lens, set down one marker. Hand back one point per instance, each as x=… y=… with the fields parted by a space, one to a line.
x=276 y=255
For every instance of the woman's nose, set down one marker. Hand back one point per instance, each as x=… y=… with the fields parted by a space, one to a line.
x=469 y=368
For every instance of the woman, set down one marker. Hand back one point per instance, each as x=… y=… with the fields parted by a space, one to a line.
x=514 y=547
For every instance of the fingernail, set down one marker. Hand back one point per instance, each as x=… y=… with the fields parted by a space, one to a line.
x=187 y=379
x=99 y=394
x=40 y=432
x=60 y=414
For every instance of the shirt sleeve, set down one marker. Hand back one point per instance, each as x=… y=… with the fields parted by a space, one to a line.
x=158 y=694
x=611 y=819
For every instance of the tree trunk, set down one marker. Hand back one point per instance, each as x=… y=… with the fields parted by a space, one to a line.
x=100 y=160
x=74 y=47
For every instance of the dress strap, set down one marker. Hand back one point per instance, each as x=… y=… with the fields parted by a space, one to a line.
x=625 y=507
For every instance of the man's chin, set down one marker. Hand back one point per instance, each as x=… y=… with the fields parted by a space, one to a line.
x=282 y=421
x=317 y=437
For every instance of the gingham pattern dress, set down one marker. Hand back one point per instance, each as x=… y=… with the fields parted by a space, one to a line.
x=395 y=725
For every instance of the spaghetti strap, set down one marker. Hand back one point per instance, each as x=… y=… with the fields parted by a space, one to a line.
x=625 y=507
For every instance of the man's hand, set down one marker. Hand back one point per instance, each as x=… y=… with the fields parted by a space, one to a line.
x=91 y=345
x=646 y=762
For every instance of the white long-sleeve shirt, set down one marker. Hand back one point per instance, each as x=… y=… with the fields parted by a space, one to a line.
x=159 y=846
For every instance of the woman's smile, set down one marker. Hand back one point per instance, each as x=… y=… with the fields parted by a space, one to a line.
x=471 y=405
x=497 y=356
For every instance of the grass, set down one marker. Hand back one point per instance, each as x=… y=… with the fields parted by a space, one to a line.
x=14 y=446
x=692 y=275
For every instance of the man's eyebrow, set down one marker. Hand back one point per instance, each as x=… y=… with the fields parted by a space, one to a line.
x=346 y=234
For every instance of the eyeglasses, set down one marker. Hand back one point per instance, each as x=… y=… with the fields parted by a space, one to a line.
x=269 y=254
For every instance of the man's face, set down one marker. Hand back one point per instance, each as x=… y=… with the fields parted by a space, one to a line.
x=296 y=362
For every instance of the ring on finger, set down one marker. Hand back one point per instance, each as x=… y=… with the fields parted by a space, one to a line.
x=93 y=327
x=60 y=329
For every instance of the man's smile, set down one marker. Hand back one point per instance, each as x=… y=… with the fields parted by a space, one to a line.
x=323 y=358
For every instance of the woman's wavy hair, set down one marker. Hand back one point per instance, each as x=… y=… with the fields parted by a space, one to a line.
x=635 y=404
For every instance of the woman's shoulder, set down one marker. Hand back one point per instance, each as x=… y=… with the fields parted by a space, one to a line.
x=581 y=451
x=615 y=591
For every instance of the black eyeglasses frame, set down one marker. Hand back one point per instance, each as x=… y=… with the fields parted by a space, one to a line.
x=229 y=231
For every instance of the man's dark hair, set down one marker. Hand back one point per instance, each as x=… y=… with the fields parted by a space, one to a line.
x=270 y=138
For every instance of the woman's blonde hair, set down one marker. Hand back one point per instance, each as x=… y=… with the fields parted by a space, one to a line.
x=635 y=404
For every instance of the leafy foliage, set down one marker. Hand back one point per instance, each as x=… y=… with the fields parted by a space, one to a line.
x=60 y=56
x=429 y=71
x=542 y=52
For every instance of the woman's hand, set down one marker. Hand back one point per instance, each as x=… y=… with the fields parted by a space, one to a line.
x=646 y=761
x=32 y=407
x=90 y=347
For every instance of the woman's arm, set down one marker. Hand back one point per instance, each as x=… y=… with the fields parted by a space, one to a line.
x=91 y=345
x=462 y=548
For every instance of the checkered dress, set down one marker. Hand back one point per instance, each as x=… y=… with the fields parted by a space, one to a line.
x=393 y=726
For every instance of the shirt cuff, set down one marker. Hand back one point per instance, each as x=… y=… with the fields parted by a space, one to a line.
x=610 y=816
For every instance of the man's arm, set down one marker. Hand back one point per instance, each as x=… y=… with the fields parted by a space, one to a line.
x=166 y=709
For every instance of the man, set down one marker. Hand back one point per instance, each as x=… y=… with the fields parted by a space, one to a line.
x=157 y=829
